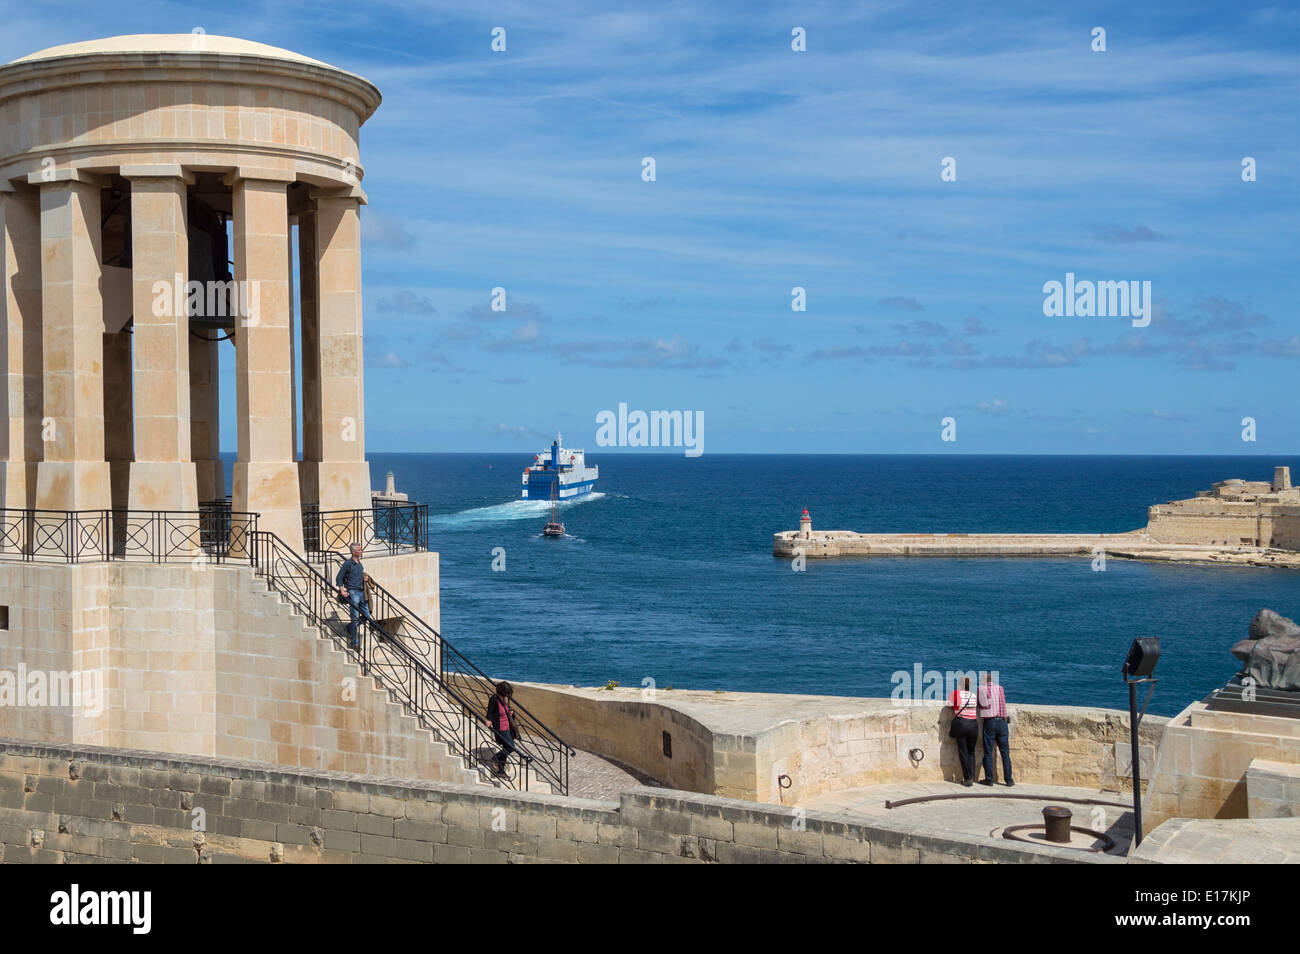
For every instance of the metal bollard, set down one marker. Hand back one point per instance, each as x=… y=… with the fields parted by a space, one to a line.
x=1056 y=819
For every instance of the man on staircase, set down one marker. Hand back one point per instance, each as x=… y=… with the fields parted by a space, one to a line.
x=351 y=581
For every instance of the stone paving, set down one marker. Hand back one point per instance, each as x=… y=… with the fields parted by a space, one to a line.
x=593 y=776
x=980 y=810
x=1232 y=841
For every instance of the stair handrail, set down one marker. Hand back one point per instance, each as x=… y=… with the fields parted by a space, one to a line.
x=430 y=641
x=404 y=673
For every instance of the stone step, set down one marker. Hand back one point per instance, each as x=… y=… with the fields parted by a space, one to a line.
x=330 y=627
x=282 y=607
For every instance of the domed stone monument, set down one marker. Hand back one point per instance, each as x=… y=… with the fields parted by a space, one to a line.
x=179 y=214
x=134 y=172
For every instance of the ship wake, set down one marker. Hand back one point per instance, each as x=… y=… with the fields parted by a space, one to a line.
x=505 y=512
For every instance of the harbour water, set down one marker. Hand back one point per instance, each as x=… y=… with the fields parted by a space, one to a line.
x=667 y=573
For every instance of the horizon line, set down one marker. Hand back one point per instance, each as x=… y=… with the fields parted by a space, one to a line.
x=676 y=452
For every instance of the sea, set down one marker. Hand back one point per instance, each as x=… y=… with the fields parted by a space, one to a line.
x=667 y=577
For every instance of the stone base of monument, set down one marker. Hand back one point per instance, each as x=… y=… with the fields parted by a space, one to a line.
x=1203 y=768
x=1237 y=695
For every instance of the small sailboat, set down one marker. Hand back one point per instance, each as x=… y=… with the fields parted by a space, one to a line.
x=554 y=528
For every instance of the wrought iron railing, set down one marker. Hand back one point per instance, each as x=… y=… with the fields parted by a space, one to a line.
x=385 y=529
x=152 y=536
x=548 y=753
x=439 y=686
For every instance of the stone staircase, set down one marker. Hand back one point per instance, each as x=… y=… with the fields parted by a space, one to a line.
x=398 y=743
x=379 y=687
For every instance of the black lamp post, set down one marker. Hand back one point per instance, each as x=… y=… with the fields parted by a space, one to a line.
x=1141 y=662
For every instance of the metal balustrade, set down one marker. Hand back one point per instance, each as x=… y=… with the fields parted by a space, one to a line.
x=210 y=534
x=384 y=529
x=214 y=533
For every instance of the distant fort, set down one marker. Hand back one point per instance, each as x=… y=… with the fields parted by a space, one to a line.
x=1235 y=521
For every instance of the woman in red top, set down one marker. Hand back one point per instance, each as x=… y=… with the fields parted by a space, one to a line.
x=963 y=730
x=502 y=720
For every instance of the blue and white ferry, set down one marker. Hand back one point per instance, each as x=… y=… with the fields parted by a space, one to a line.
x=560 y=469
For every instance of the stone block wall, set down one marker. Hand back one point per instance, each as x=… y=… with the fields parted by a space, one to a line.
x=1272 y=789
x=84 y=804
x=413 y=579
x=631 y=731
x=202 y=660
x=60 y=621
x=1286 y=528
x=1215 y=522
x=1209 y=520
x=1201 y=767
x=1050 y=745
x=286 y=696
x=856 y=742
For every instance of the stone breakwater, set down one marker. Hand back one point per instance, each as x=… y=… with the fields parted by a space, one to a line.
x=1252 y=523
x=1135 y=545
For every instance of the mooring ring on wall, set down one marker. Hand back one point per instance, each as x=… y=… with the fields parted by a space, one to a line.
x=917 y=755
x=784 y=781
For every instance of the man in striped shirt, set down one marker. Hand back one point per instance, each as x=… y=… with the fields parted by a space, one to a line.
x=993 y=710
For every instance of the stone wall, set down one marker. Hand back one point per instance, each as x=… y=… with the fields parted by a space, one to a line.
x=825 y=744
x=60 y=621
x=1272 y=789
x=1201 y=766
x=201 y=660
x=1286 y=529
x=631 y=731
x=1210 y=520
x=1215 y=527
x=1050 y=745
x=83 y=804
x=412 y=578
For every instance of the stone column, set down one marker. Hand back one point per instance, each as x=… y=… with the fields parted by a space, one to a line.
x=266 y=475
x=205 y=417
x=73 y=474
x=334 y=455
x=20 y=317
x=162 y=475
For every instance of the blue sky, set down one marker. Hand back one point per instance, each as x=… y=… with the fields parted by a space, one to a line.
x=818 y=169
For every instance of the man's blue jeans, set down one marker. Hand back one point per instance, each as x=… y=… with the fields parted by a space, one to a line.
x=995 y=733
x=357 y=606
